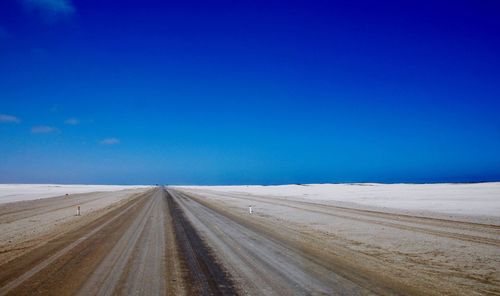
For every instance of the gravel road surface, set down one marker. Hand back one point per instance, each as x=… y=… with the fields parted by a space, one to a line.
x=170 y=241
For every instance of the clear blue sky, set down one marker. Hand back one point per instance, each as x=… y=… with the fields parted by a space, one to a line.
x=241 y=92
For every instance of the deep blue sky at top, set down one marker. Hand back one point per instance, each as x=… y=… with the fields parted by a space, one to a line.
x=240 y=92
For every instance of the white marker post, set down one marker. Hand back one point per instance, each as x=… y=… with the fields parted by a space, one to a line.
x=250 y=210
x=78 y=211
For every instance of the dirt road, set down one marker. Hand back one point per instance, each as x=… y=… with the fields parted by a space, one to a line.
x=177 y=242
x=143 y=247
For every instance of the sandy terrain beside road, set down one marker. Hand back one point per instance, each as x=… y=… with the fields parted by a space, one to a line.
x=20 y=192
x=408 y=253
x=479 y=202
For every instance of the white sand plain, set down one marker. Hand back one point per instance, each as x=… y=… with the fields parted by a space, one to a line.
x=20 y=192
x=475 y=199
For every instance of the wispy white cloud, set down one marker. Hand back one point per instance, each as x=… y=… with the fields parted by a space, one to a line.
x=110 y=141
x=72 y=121
x=51 y=9
x=43 y=129
x=9 y=118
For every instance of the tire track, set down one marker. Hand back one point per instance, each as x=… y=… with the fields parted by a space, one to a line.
x=106 y=278
x=206 y=276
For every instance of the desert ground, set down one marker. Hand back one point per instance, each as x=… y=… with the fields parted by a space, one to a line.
x=315 y=239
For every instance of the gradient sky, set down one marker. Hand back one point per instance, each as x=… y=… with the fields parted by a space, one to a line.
x=249 y=92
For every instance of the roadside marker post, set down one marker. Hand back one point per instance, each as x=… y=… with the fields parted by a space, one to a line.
x=250 y=210
x=78 y=211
